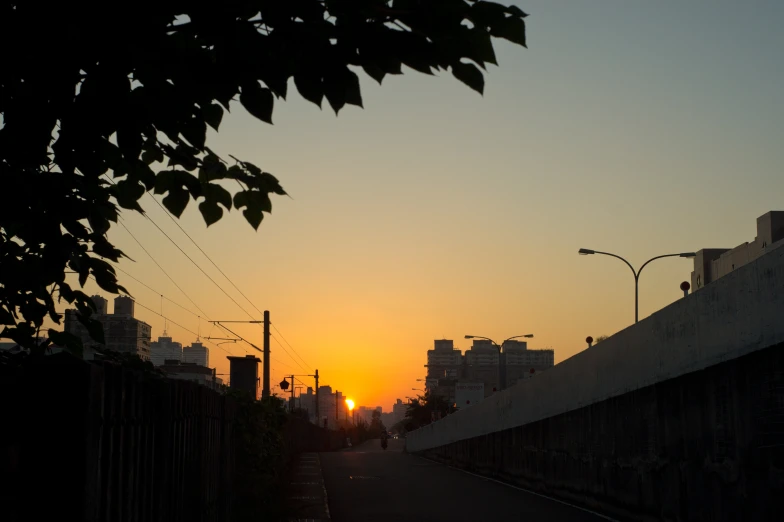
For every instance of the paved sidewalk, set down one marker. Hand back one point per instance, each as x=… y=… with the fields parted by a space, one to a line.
x=369 y=484
x=306 y=497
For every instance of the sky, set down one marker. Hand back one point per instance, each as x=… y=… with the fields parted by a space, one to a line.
x=638 y=128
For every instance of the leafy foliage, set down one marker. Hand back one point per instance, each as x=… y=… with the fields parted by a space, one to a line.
x=97 y=111
x=260 y=462
x=424 y=409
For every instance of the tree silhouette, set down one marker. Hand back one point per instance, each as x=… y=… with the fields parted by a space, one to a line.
x=98 y=107
x=425 y=408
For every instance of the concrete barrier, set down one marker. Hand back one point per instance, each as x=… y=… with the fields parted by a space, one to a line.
x=738 y=314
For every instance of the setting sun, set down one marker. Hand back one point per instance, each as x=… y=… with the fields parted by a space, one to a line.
x=350 y=404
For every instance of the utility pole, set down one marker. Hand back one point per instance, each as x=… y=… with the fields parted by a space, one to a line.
x=318 y=419
x=291 y=407
x=337 y=410
x=265 y=390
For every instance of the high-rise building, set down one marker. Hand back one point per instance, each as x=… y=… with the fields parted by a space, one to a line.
x=196 y=353
x=165 y=349
x=444 y=368
x=444 y=361
x=399 y=410
x=482 y=365
x=522 y=363
x=122 y=332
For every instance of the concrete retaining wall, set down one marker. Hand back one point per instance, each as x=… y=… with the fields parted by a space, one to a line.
x=739 y=314
x=705 y=446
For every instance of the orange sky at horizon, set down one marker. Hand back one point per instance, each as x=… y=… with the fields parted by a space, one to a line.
x=435 y=212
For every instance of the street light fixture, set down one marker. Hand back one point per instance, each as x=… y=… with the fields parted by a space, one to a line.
x=588 y=251
x=501 y=374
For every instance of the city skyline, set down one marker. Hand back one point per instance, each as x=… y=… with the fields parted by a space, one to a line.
x=435 y=212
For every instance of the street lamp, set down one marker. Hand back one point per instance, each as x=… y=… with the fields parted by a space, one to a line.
x=588 y=251
x=501 y=374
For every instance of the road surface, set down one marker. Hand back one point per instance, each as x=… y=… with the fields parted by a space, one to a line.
x=368 y=484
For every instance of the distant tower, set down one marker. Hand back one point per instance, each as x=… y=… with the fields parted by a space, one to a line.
x=101 y=304
x=124 y=305
x=244 y=374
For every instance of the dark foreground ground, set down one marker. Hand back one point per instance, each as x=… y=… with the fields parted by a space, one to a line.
x=368 y=484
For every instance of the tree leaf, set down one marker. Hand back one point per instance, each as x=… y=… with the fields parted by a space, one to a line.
x=176 y=200
x=258 y=101
x=212 y=168
x=152 y=153
x=68 y=341
x=480 y=47
x=310 y=87
x=341 y=87
x=255 y=204
x=213 y=114
x=94 y=327
x=183 y=155
x=512 y=29
x=373 y=70
x=105 y=249
x=195 y=131
x=6 y=317
x=210 y=211
x=253 y=216
x=128 y=193
x=139 y=170
x=470 y=75
x=129 y=140
x=170 y=179
x=516 y=11
x=217 y=194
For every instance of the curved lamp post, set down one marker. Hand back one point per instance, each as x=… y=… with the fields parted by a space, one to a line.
x=501 y=374
x=588 y=251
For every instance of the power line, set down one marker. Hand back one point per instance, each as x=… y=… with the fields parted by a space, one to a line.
x=204 y=253
x=181 y=326
x=288 y=343
x=168 y=318
x=203 y=272
x=162 y=269
x=196 y=264
x=292 y=358
x=154 y=290
x=168 y=214
x=238 y=336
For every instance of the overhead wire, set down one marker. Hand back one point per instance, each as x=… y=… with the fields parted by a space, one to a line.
x=196 y=264
x=169 y=319
x=136 y=301
x=173 y=220
x=153 y=290
x=179 y=325
x=289 y=344
x=205 y=273
x=162 y=269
